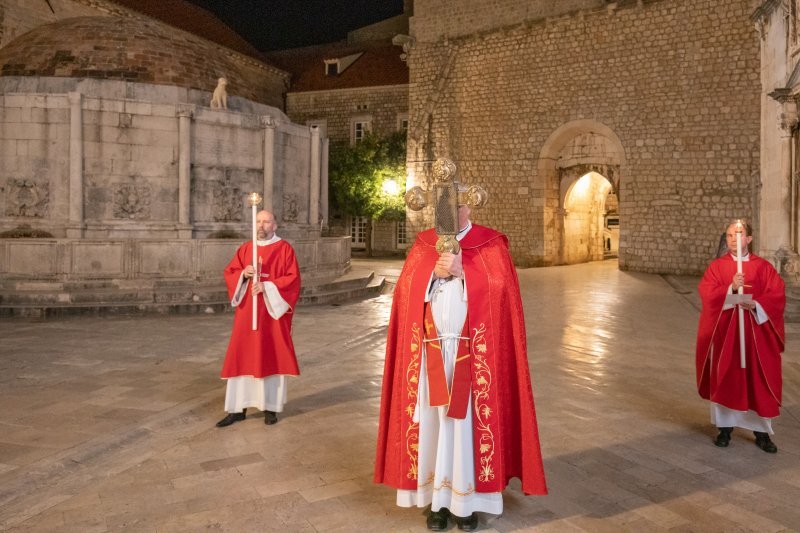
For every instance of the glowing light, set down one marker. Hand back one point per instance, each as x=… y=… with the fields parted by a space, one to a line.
x=390 y=187
x=581 y=187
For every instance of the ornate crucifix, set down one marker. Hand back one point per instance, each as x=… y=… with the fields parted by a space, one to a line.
x=446 y=195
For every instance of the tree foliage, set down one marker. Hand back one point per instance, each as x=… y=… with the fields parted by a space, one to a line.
x=360 y=176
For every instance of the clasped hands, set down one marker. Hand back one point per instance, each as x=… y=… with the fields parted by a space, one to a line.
x=257 y=288
x=738 y=281
x=448 y=265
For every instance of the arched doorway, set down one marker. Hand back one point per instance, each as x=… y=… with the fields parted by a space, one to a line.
x=580 y=167
x=590 y=218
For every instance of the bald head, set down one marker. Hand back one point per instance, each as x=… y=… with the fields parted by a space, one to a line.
x=265 y=225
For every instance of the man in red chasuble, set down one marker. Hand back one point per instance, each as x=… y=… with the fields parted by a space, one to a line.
x=457 y=418
x=748 y=397
x=257 y=362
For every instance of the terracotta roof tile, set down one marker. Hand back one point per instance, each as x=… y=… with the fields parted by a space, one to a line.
x=380 y=64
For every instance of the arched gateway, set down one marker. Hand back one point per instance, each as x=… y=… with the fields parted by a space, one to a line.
x=580 y=166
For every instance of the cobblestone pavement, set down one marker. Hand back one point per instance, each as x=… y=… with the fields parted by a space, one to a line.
x=108 y=424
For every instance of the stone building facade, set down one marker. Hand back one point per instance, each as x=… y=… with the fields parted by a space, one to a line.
x=367 y=93
x=656 y=101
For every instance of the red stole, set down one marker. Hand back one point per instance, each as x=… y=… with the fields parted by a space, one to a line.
x=505 y=436
x=457 y=397
x=269 y=350
x=720 y=378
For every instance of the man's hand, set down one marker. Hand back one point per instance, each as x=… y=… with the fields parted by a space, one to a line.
x=249 y=271
x=257 y=288
x=738 y=281
x=448 y=265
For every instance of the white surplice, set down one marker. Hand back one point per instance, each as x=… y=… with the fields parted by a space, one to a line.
x=722 y=416
x=265 y=394
x=446 y=468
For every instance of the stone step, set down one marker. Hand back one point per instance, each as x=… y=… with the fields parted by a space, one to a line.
x=166 y=297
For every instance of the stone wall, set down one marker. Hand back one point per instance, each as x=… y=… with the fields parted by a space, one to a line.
x=338 y=108
x=672 y=85
x=121 y=168
x=24 y=263
x=437 y=19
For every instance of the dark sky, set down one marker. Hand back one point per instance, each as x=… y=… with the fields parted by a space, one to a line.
x=277 y=24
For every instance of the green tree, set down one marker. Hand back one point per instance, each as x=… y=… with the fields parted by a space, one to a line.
x=368 y=179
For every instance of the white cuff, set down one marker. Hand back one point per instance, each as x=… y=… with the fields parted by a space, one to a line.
x=241 y=290
x=276 y=305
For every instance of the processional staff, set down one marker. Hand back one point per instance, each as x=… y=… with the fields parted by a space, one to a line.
x=740 y=291
x=446 y=195
x=254 y=200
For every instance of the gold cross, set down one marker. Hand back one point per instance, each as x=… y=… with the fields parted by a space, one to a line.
x=446 y=197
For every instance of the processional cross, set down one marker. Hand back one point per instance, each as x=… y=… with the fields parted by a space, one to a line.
x=445 y=196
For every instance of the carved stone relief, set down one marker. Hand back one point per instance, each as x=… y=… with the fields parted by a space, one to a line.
x=132 y=201
x=290 y=207
x=27 y=198
x=227 y=202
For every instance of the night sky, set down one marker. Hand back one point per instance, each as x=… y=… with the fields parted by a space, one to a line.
x=278 y=24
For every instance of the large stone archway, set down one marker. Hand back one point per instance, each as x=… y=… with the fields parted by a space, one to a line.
x=580 y=170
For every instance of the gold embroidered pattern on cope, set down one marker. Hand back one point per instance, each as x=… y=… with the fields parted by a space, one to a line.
x=412 y=384
x=483 y=412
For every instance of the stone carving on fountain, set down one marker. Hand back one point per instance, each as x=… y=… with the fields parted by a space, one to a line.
x=227 y=202
x=27 y=198
x=132 y=201
x=290 y=202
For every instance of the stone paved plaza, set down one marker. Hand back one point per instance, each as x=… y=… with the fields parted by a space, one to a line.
x=108 y=424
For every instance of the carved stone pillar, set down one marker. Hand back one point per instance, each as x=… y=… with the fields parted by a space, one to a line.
x=314 y=179
x=185 y=113
x=787 y=121
x=268 y=123
x=75 y=225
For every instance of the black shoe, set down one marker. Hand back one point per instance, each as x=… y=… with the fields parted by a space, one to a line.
x=270 y=418
x=437 y=520
x=724 y=437
x=765 y=443
x=231 y=418
x=469 y=523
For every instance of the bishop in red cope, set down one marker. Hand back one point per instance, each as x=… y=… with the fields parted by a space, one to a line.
x=744 y=392
x=257 y=362
x=457 y=418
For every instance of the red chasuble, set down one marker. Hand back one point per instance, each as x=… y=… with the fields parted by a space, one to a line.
x=505 y=435
x=268 y=350
x=720 y=377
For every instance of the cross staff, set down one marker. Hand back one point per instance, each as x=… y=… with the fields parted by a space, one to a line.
x=445 y=196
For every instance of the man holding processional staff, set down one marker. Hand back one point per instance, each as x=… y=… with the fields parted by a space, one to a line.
x=740 y=340
x=264 y=288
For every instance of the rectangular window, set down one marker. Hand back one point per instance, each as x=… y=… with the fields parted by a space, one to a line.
x=402 y=236
x=359 y=127
x=358 y=231
x=402 y=122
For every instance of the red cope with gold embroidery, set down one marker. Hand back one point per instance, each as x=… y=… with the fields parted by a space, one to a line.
x=505 y=436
